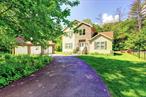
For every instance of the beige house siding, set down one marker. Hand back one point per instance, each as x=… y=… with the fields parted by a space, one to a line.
x=74 y=38
x=86 y=37
x=86 y=40
x=69 y=37
x=101 y=38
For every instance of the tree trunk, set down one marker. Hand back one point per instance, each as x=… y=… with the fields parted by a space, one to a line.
x=139 y=22
x=139 y=51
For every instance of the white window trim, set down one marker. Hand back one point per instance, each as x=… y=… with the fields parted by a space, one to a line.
x=100 y=45
x=68 y=45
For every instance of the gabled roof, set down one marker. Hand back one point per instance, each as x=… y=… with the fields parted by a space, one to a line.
x=83 y=23
x=79 y=23
x=108 y=35
x=21 y=41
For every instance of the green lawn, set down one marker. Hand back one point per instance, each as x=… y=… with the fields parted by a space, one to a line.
x=124 y=74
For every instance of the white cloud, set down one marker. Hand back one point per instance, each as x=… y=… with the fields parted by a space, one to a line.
x=109 y=18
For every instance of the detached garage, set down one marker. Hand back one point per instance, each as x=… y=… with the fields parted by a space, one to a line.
x=21 y=50
x=34 y=50
x=29 y=48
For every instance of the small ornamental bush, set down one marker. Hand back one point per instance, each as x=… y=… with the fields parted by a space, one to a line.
x=15 y=67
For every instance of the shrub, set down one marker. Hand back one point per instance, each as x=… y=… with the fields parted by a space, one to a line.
x=7 y=56
x=15 y=67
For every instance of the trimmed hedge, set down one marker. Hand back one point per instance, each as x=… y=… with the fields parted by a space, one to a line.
x=15 y=67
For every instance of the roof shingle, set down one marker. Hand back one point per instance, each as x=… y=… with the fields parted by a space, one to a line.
x=109 y=34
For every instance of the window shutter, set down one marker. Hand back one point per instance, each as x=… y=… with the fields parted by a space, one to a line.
x=105 y=45
x=95 y=45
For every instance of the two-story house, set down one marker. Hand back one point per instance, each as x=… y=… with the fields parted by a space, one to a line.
x=86 y=38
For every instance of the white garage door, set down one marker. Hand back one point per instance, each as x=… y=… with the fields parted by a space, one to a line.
x=21 y=50
x=49 y=50
x=35 y=49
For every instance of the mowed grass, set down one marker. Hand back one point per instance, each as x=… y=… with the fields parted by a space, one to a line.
x=124 y=74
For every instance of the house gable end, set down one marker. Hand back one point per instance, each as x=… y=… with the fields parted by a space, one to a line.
x=108 y=36
x=98 y=36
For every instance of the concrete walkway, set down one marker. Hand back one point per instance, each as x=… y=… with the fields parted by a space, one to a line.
x=64 y=77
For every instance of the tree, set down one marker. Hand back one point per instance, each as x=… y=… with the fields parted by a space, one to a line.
x=37 y=21
x=99 y=18
x=136 y=12
x=97 y=28
x=137 y=41
x=121 y=32
x=89 y=21
x=119 y=13
x=144 y=8
x=58 y=44
x=7 y=41
x=107 y=26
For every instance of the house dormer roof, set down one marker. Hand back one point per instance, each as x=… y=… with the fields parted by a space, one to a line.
x=83 y=23
x=78 y=24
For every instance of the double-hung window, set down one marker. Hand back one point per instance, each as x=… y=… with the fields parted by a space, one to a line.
x=68 y=45
x=100 y=45
x=82 y=32
x=97 y=45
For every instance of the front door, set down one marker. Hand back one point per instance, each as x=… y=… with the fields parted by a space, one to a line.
x=82 y=44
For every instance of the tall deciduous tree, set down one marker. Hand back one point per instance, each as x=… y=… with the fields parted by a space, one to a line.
x=7 y=41
x=36 y=20
x=89 y=21
x=137 y=41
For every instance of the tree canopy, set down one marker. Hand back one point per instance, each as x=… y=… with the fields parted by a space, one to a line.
x=131 y=32
x=37 y=21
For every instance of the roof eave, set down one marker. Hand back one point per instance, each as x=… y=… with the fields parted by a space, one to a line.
x=98 y=35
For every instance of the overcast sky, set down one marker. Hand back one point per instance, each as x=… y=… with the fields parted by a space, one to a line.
x=92 y=8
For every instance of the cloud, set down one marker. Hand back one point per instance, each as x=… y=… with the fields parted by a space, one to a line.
x=109 y=18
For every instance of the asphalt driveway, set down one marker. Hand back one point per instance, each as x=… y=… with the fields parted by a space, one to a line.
x=64 y=77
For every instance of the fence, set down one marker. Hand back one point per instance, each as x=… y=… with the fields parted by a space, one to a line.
x=141 y=54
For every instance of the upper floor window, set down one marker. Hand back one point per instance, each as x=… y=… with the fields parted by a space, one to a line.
x=69 y=34
x=82 y=32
